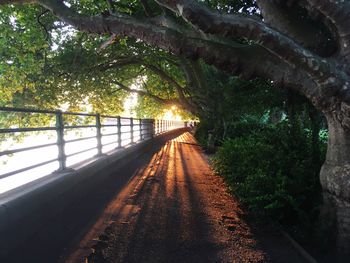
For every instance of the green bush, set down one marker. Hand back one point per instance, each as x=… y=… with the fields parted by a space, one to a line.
x=202 y=133
x=271 y=170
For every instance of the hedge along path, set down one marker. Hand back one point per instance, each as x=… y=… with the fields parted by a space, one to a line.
x=176 y=209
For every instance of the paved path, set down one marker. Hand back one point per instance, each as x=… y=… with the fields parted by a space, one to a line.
x=175 y=209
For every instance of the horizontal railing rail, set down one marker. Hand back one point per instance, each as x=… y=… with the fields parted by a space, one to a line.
x=126 y=130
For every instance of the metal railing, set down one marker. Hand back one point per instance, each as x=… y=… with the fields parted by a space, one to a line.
x=125 y=131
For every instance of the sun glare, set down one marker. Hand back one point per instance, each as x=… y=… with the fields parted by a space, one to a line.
x=171 y=114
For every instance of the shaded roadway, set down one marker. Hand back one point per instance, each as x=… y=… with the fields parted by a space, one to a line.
x=82 y=207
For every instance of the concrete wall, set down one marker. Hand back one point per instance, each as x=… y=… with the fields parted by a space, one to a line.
x=55 y=206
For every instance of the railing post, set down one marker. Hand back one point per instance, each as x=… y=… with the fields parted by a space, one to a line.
x=119 y=127
x=60 y=141
x=140 y=129
x=132 y=130
x=98 y=134
x=152 y=127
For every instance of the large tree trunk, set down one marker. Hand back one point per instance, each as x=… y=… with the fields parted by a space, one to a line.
x=315 y=123
x=335 y=181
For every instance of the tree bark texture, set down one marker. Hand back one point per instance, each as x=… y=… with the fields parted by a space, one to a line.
x=335 y=181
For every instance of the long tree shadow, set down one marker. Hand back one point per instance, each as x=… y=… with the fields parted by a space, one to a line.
x=171 y=224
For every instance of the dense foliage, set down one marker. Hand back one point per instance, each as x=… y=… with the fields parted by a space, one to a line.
x=271 y=171
x=269 y=146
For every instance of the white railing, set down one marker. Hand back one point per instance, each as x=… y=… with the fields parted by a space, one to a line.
x=69 y=136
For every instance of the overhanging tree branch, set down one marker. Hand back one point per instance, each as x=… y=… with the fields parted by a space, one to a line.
x=42 y=25
x=338 y=12
x=212 y=52
x=285 y=17
x=249 y=61
x=249 y=27
x=158 y=71
x=196 y=87
x=273 y=46
x=179 y=89
x=168 y=102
